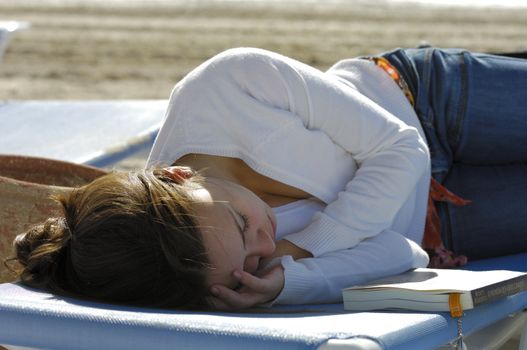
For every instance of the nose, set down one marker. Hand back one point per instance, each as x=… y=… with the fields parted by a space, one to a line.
x=262 y=247
x=265 y=243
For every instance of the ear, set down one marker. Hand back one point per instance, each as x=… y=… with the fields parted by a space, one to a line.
x=178 y=174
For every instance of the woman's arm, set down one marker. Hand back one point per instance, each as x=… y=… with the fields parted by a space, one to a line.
x=392 y=158
x=321 y=280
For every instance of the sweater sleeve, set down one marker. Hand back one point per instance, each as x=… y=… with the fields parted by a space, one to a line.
x=391 y=156
x=321 y=280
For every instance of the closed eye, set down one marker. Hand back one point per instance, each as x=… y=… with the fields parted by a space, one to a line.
x=245 y=220
x=241 y=221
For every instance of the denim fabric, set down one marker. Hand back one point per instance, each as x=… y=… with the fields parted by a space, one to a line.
x=473 y=109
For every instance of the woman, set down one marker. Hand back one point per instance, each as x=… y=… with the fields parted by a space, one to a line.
x=335 y=167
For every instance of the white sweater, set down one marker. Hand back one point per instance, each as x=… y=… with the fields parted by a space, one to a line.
x=347 y=136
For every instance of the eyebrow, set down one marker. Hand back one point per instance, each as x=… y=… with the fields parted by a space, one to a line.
x=234 y=215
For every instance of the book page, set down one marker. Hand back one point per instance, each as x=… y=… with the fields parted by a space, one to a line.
x=440 y=280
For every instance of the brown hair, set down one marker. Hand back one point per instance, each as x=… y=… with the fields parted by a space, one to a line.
x=128 y=238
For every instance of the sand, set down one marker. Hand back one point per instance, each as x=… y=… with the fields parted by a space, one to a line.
x=130 y=50
x=139 y=52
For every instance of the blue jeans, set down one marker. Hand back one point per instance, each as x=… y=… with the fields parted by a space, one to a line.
x=473 y=109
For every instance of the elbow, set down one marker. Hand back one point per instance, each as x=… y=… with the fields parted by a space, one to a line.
x=424 y=153
x=404 y=253
x=423 y=161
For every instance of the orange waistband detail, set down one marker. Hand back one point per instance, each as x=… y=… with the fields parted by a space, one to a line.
x=385 y=65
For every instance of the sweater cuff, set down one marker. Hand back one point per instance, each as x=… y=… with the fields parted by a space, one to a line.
x=323 y=235
x=296 y=285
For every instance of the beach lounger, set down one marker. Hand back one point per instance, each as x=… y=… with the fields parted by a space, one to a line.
x=33 y=319
x=98 y=133
x=101 y=132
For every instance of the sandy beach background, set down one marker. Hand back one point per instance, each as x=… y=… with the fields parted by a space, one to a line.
x=135 y=49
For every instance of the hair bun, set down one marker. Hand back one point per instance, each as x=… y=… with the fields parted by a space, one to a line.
x=41 y=249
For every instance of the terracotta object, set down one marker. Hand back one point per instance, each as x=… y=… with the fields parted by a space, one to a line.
x=26 y=185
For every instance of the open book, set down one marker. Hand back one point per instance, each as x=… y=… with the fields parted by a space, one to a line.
x=431 y=289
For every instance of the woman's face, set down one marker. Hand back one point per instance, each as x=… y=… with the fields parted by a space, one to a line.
x=238 y=229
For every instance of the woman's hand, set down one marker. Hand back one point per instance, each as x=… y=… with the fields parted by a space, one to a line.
x=254 y=290
x=259 y=289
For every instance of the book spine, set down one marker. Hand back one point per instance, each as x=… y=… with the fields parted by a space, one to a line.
x=499 y=290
